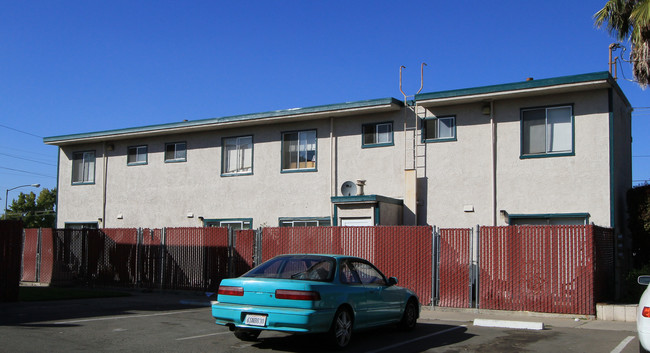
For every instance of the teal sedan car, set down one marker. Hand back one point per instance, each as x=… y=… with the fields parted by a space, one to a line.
x=313 y=293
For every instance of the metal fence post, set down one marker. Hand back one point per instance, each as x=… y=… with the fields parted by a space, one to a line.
x=39 y=249
x=435 y=254
x=231 y=245
x=477 y=272
x=163 y=232
x=138 y=257
x=258 y=246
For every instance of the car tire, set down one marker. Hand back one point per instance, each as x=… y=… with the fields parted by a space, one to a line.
x=410 y=316
x=341 y=330
x=247 y=335
x=641 y=349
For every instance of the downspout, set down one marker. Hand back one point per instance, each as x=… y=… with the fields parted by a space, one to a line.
x=105 y=173
x=494 y=164
x=332 y=170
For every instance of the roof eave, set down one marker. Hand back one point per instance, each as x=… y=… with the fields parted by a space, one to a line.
x=298 y=114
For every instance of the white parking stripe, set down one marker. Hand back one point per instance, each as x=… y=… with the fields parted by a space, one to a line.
x=121 y=317
x=416 y=339
x=208 y=335
x=622 y=345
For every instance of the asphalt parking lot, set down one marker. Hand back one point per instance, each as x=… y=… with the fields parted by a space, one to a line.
x=174 y=322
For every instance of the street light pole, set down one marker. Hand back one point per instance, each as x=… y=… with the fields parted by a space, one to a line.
x=7 y=194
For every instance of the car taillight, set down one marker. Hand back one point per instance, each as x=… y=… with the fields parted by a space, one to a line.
x=297 y=294
x=229 y=290
x=645 y=312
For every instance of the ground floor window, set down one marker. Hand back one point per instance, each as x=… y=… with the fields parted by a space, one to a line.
x=234 y=224
x=305 y=222
x=89 y=225
x=576 y=219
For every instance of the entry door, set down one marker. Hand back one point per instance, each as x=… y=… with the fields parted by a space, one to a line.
x=357 y=222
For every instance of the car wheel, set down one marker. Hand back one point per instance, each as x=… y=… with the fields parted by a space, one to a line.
x=247 y=335
x=341 y=331
x=410 y=316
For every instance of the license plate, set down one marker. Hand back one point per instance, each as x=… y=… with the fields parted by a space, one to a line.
x=255 y=320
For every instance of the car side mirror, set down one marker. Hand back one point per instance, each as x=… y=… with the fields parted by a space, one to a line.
x=644 y=280
x=392 y=281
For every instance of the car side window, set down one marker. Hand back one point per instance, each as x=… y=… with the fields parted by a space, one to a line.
x=368 y=274
x=347 y=274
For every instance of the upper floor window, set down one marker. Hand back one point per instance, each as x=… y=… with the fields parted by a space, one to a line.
x=137 y=155
x=175 y=152
x=237 y=155
x=299 y=150
x=439 y=129
x=375 y=135
x=547 y=131
x=83 y=167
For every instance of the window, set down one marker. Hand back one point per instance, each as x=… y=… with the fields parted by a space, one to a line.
x=234 y=224
x=175 y=152
x=368 y=274
x=83 y=167
x=299 y=150
x=375 y=135
x=571 y=219
x=137 y=155
x=547 y=131
x=439 y=129
x=305 y=222
x=237 y=155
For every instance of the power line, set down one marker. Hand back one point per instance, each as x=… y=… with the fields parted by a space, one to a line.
x=22 y=132
x=28 y=172
x=27 y=159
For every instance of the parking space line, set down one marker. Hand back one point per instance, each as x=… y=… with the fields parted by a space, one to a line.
x=122 y=317
x=416 y=339
x=622 y=345
x=201 y=336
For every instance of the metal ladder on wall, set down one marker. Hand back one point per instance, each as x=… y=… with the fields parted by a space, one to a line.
x=415 y=151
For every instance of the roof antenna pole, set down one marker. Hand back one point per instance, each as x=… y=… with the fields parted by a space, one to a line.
x=421 y=76
x=400 y=82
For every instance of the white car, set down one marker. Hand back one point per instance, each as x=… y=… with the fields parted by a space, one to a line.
x=643 y=316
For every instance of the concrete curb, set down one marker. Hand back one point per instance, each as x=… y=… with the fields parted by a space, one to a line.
x=509 y=324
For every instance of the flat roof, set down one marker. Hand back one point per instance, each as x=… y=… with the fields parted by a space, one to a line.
x=554 y=85
x=458 y=96
x=315 y=112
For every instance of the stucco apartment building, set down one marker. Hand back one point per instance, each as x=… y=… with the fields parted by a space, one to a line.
x=549 y=151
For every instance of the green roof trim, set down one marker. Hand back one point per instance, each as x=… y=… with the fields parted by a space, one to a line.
x=556 y=81
x=366 y=199
x=230 y=119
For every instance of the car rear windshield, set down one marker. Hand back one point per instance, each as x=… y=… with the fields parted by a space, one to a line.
x=308 y=268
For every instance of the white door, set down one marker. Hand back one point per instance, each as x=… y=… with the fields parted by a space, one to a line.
x=356 y=222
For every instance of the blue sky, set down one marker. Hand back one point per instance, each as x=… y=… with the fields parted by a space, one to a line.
x=80 y=66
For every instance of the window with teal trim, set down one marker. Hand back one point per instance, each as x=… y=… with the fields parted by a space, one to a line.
x=377 y=134
x=83 y=167
x=234 y=224
x=547 y=131
x=237 y=155
x=176 y=152
x=441 y=128
x=137 y=155
x=305 y=222
x=299 y=150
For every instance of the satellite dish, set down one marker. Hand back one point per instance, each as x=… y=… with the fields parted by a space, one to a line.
x=348 y=189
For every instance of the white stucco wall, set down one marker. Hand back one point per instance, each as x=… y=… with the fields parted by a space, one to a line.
x=460 y=172
x=457 y=176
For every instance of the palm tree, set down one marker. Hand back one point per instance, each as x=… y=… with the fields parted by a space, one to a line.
x=630 y=19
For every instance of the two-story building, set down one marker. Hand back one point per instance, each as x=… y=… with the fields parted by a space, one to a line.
x=549 y=151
